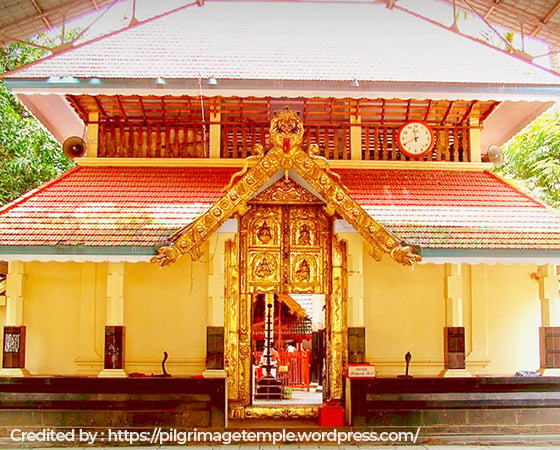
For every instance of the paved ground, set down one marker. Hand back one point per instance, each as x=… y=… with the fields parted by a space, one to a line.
x=311 y=447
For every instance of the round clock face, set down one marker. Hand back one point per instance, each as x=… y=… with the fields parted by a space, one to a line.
x=415 y=139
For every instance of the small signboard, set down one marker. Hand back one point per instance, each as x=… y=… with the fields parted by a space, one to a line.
x=361 y=371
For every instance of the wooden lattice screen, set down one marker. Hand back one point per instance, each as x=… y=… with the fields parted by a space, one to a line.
x=153 y=140
x=178 y=126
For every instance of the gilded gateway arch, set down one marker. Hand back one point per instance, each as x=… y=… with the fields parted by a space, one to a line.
x=285 y=245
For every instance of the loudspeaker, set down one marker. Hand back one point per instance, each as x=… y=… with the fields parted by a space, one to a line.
x=74 y=147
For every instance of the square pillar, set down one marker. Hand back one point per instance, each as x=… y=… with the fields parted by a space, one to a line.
x=14 y=342
x=549 y=332
x=454 y=352
x=113 y=361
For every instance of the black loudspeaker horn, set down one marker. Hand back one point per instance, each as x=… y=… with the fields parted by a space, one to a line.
x=74 y=147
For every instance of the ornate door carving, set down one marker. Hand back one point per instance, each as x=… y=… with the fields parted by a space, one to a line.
x=286 y=249
x=285 y=246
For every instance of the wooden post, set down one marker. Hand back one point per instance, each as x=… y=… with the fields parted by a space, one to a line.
x=355 y=136
x=475 y=140
x=92 y=135
x=215 y=134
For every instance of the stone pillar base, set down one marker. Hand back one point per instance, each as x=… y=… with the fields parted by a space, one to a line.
x=455 y=373
x=549 y=372
x=112 y=373
x=16 y=372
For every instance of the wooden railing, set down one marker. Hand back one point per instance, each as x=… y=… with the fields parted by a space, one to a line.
x=379 y=143
x=238 y=140
x=293 y=368
x=297 y=373
x=153 y=140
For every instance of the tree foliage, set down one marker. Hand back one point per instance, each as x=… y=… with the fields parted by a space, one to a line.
x=533 y=157
x=29 y=155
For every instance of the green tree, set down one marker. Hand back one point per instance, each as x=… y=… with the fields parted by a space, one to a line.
x=532 y=157
x=29 y=155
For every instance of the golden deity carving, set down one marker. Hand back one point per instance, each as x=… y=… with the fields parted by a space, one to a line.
x=286 y=136
x=302 y=273
x=304 y=236
x=264 y=267
x=263 y=233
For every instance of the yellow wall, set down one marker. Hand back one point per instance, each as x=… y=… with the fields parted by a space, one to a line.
x=405 y=310
x=514 y=318
x=51 y=313
x=166 y=310
x=64 y=310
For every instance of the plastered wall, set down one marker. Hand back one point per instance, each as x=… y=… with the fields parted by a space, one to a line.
x=405 y=310
x=166 y=310
x=64 y=310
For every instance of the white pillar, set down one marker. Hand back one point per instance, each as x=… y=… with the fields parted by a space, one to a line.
x=216 y=289
x=115 y=309
x=454 y=322
x=14 y=316
x=550 y=319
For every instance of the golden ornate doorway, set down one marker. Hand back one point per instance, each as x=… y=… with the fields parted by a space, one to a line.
x=285 y=245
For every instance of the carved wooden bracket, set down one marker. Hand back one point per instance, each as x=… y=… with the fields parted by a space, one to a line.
x=286 y=135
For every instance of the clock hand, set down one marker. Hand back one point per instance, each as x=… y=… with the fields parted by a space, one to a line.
x=415 y=139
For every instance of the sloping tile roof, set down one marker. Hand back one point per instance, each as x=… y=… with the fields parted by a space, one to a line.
x=140 y=207
x=439 y=209
x=109 y=206
x=290 y=41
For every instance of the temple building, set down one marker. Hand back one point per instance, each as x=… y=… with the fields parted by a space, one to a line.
x=287 y=195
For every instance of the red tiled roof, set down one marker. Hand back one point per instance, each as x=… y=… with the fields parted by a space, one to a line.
x=290 y=41
x=142 y=206
x=110 y=206
x=439 y=209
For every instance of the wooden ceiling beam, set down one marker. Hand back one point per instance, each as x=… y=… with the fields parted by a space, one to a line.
x=42 y=14
x=550 y=13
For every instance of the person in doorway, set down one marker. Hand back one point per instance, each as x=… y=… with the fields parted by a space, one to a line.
x=274 y=359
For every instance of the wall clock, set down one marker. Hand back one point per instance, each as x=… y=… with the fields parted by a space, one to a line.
x=415 y=139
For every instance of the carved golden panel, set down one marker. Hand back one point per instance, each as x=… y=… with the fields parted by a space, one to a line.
x=286 y=192
x=264 y=267
x=264 y=228
x=306 y=273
